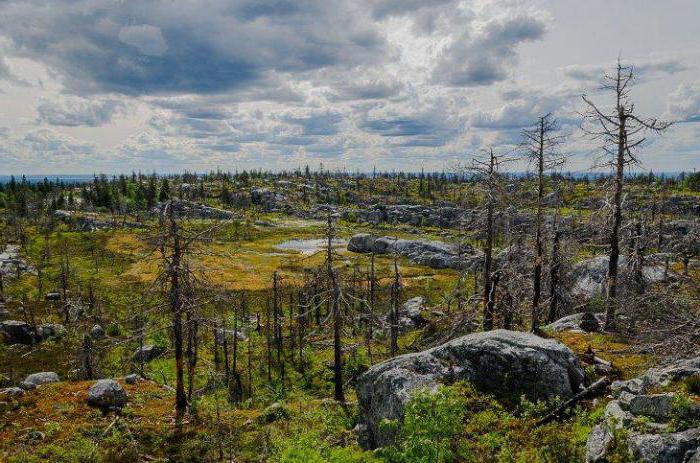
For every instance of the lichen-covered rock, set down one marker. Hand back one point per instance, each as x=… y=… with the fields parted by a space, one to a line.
x=676 y=447
x=659 y=376
x=147 y=353
x=106 y=394
x=582 y=321
x=49 y=330
x=133 y=378
x=494 y=361
x=590 y=276
x=656 y=406
x=12 y=392
x=44 y=377
x=599 y=444
x=16 y=332
x=97 y=332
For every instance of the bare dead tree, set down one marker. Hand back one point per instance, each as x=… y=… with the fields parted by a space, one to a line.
x=486 y=169
x=541 y=148
x=621 y=132
x=395 y=304
x=337 y=319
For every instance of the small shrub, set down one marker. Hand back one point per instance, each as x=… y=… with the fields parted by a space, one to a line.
x=692 y=384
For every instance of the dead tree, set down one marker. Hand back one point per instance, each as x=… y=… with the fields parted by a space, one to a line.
x=540 y=145
x=395 y=316
x=486 y=170
x=621 y=133
x=337 y=318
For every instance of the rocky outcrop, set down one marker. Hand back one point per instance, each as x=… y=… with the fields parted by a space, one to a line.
x=194 y=210
x=648 y=439
x=11 y=264
x=434 y=254
x=589 y=276
x=229 y=334
x=147 y=353
x=88 y=222
x=106 y=394
x=494 y=361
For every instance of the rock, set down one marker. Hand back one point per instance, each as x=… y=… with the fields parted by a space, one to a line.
x=5 y=380
x=615 y=414
x=590 y=276
x=44 y=377
x=11 y=264
x=97 y=332
x=49 y=330
x=656 y=406
x=147 y=353
x=410 y=314
x=53 y=296
x=494 y=361
x=219 y=333
x=362 y=243
x=434 y=254
x=583 y=321
x=106 y=394
x=11 y=392
x=599 y=443
x=132 y=378
x=659 y=376
x=273 y=413
x=17 y=332
x=665 y=448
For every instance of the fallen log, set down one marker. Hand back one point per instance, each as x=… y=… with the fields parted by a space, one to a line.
x=593 y=390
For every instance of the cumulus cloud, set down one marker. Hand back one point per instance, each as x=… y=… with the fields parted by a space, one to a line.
x=180 y=46
x=684 y=103
x=75 y=111
x=482 y=57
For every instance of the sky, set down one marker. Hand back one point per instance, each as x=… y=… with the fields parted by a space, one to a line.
x=115 y=86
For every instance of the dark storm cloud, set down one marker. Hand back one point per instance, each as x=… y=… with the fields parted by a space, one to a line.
x=483 y=58
x=182 y=46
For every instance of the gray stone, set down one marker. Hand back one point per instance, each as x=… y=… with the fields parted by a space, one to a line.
x=494 y=361
x=575 y=321
x=615 y=414
x=659 y=376
x=132 y=378
x=44 y=377
x=590 y=276
x=17 y=332
x=665 y=448
x=12 y=392
x=147 y=353
x=599 y=443
x=656 y=406
x=106 y=394
x=97 y=332
x=49 y=330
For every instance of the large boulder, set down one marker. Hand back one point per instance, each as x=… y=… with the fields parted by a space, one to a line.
x=582 y=321
x=434 y=254
x=106 y=394
x=17 y=332
x=147 y=353
x=590 y=276
x=676 y=447
x=38 y=379
x=497 y=361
